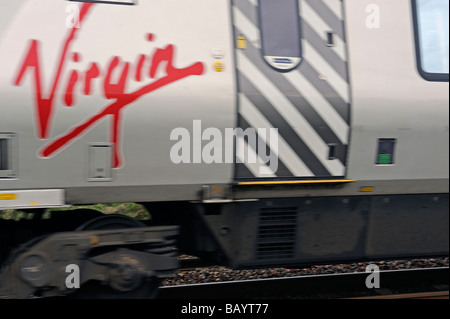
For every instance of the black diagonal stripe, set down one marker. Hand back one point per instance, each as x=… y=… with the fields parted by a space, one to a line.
x=248 y=9
x=284 y=129
x=318 y=43
x=282 y=170
x=312 y=76
x=333 y=21
x=242 y=171
x=316 y=40
x=300 y=103
x=327 y=91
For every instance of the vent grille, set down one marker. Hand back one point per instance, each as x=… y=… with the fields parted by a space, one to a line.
x=276 y=233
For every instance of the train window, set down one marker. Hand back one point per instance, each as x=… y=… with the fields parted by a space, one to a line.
x=125 y=2
x=431 y=24
x=6 y=155
x=3 y=155
x=279 y=22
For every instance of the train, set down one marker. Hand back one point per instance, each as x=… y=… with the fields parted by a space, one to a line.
x=256 y=133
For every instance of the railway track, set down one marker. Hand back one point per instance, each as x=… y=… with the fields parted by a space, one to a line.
x=418 y=295
x=329 y=286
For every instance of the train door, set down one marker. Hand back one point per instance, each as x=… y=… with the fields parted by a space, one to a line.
x=293 y=89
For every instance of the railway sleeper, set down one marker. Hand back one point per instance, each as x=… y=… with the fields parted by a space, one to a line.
x=119 y=261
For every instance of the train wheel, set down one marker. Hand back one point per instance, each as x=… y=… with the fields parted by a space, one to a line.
x=125 y=283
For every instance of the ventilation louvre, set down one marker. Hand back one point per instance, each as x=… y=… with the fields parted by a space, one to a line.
x=276 y=233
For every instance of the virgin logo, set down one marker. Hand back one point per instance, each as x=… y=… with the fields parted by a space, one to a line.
x=115 y=92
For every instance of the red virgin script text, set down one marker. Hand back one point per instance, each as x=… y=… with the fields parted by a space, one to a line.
x=44 y=103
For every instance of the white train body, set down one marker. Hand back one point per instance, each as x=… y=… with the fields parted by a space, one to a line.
x=197 y=101
x=145 y=132
x=386 y=98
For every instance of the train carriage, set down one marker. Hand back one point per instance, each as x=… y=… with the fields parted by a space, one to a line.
x=257 y=132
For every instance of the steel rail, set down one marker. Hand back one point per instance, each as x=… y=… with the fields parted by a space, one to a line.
x=417 y=295
x=343 y=285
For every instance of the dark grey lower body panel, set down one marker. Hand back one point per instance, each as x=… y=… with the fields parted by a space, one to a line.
x=294 y=231
x=408 y=225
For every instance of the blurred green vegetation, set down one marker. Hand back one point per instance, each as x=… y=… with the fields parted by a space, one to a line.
x=129 y=209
